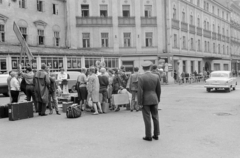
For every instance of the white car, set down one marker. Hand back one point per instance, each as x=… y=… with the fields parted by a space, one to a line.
x=221 y=80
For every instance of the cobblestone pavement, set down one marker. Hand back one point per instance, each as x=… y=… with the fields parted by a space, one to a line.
x=194 y=124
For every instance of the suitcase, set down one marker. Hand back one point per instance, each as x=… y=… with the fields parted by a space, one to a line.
x=19 y=111
x=75 y=99
x=105 y=107
x=4 y=111
x=120 y=99
x=65 y=105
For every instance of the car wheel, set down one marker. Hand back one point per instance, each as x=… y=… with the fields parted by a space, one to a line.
x=208 y=90
x=6 y=94
x=228 y=89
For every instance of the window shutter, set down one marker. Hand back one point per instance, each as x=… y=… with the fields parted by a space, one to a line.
x=43 y=6
x=56 y=8
x=26 y=3
x=54 y=43
x=20 y=4
x=37 y=5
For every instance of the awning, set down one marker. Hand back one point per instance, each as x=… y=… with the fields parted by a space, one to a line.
x=212 y=58
x=10 y=49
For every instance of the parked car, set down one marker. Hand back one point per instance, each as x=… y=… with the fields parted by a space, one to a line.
x=3 y=84
x=221 y=80
x=72 y=79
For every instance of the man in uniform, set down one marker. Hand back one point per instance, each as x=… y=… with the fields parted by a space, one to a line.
x=149 y=91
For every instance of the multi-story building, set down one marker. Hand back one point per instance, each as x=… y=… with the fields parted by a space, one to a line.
x=198 y=34
x=235 y=34
x=124 y=32
x=42 y=23
x=77 y=33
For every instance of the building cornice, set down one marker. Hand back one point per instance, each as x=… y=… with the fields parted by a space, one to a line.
x=3 y=17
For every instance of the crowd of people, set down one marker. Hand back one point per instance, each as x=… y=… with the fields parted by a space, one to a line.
x=94 y=86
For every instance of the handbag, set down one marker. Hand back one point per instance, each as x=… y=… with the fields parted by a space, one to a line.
x=74 y=111
x=23 y=85
x=90 y=103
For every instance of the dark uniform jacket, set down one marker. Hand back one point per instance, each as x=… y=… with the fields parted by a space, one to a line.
x=41 y=84
x=149 y=89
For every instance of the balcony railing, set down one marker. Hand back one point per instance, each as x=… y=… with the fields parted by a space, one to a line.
x=94 y=21
x=184 y=26
x=199 y=31
x=219 y=36
x=175 y=24
x=192 y=29
x=207 y=33
x=214 y=35
x=126 y=21
x=148 y=21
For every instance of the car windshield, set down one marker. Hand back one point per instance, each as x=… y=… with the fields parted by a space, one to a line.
x=219 y=75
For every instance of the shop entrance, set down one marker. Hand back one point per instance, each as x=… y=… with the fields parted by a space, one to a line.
x=207 y=66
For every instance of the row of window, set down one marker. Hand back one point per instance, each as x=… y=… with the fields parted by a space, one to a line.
x=85 y=38
x=40 y=6
x=41 y=35
x=206 y=24
x=206 y=6
x=126 y=12
x=126 y=39
x=206 y=45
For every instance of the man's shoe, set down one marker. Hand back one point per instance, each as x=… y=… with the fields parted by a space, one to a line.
x=147 y=138
x=58 y=113
x=155 y=137
x=43 y=114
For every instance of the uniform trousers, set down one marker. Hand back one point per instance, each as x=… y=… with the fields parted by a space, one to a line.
x=53 y=97
x=149 y=111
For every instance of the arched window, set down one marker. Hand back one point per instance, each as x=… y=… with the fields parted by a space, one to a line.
x=191 y=19
x=174 y=12
x=198 y=22
x=183 y=16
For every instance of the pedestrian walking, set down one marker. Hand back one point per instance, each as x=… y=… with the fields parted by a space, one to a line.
x=133 y=87
x=9 y=85
x=53 y=88
x=28 y=77
x=149 y=91
x=15 y=87
x=82 y=89
x=93 y=90
x=155 y=71
x=103 y=81
x=41 y=84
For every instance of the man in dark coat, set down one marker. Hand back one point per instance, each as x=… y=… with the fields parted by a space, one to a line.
x=149 y=91
x=41 y=84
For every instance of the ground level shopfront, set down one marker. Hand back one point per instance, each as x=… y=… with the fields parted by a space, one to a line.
x=235 y=64
x=187 y=63
x=70 y=60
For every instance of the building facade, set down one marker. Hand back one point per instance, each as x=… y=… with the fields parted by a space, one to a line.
x=42 y=24
x=77 y=33
x=130 y=31
x=235 y=35
x=199 y=35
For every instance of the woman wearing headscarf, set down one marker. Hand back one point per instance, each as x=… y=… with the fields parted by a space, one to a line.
x=93 y=90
